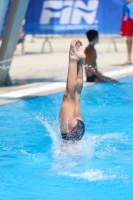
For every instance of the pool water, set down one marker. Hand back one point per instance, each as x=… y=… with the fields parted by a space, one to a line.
x=35 y=165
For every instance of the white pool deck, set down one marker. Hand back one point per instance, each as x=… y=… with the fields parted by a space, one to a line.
x=38 y=74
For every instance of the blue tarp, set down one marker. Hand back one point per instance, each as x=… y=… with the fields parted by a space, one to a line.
x=73 y=16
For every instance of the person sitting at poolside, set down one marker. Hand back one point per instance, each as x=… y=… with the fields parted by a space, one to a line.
x=72 y=127
x=92 y=73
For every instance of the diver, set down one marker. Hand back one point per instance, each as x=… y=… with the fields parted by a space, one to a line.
x=72 y=127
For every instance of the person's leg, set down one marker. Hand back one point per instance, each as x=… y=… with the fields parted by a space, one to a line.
x=129 y=48
x=67 y=112
x=129 y=51
x=78 y=91
x=22 y=47
x=100 y=78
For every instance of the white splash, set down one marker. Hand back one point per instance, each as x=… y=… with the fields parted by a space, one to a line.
x=73 y=159
x=91 y=175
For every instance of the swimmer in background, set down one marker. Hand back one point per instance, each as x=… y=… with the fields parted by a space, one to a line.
x=92 y=73
x=72 y=127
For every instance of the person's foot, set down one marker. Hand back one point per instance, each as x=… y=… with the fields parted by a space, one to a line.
x=22 y=52
x=76 y=50
x=114 y=81
x=127 y=63
x=80 y=50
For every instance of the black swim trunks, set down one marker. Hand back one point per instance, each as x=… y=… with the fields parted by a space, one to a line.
x=76 y=133
x=91 y=78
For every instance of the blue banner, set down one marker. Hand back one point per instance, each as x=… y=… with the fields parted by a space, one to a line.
x=5 y=19
x=73 y=16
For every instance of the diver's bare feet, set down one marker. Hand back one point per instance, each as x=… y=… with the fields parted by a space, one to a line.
x=76 y=52
x=80 y=50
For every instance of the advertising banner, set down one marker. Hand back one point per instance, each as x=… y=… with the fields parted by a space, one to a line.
x=73 y=16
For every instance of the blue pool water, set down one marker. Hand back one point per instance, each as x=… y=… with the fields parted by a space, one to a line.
x=35 y=165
